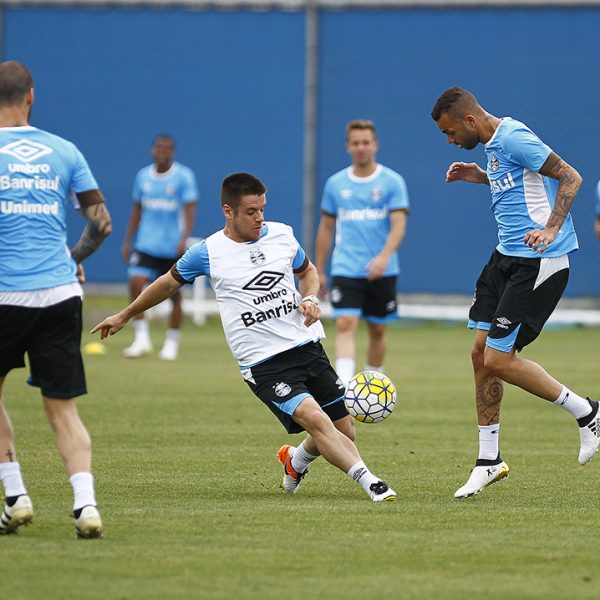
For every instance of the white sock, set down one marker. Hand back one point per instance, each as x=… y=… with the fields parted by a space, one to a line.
x=142 y=330
x=381 y=369
x=173 y=335
x=344 y=367
x=83 y=490
x=301 y=459
x=488 y=441
x=12 y=480
x=362 y=475
x=576 y=405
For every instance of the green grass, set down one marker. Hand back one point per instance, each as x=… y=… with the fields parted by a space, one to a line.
x=188 y=484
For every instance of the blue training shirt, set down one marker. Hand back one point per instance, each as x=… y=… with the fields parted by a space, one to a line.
x=162 y=197
x=522 y=199
x=361 y=207
x=39 y=171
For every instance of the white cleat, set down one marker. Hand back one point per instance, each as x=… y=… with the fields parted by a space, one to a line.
x=169 y=350
x=88 y=524
x=20 y=513
x=381 y=492
x=589 y=435
x=137 y=349
x=481 y=477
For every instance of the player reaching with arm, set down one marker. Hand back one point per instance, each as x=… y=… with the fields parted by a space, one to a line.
x=40 y=291
x=532 y=192
x=272 y=329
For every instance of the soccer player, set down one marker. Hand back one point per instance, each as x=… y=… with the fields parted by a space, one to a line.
x=165 y=196
x=532 y=192
x=40 y=291
x=272 y=328
x=365 y=207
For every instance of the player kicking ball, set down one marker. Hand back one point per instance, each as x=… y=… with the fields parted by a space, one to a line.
x=272 y=328
x=532 y=192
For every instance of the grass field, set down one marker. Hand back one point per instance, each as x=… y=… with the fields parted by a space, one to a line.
x=188 y=485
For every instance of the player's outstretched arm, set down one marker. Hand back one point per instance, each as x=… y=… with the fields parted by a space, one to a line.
x=569 y=182
x=99 y=226
x=161 y=289
x=323 y=244
x=471 y=172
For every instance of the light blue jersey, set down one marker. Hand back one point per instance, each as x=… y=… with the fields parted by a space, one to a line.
x=361 y=207
x=162 y=197
x=522 y=199
x=39 y=171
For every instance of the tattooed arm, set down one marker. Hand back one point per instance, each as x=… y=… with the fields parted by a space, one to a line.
x=569 y=181
x=99 y=225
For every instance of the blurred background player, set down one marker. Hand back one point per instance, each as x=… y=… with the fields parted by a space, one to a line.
x=165 y=196
x=40 y=291
x=532 y=192
x=272 y=329
x=365 y=207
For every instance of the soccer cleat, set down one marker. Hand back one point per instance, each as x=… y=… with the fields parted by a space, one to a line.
x=138 y=349
x=169 y=350
x=17 y=514
x=381 y=492
x=589 y=434
x=291 y=479
x=481 y=477
x=88 y=524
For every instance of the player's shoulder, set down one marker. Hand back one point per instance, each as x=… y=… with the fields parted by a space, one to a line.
x=184 y=169
x=51 y=139
x=273 y=228
x=389 y=173
x=340 y=177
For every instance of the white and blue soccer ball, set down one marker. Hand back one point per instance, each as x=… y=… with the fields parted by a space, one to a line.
x=370 y=396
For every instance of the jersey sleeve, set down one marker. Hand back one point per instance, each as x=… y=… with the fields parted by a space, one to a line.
x=194 y=262
x=399 y=193
x=300 y=259
x=328 y=204
x=526 y=149
x=136 y=193
x=190 y=187
x=82 y=179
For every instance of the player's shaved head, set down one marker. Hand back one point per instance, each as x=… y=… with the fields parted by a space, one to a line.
x=456 y=102
x=236 y=185
x=15 y=82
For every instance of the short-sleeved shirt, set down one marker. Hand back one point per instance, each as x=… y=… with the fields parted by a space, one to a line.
x=39 y=173
x=162 y=197
x=255 y=290
x=361 y=207
x=522 y=199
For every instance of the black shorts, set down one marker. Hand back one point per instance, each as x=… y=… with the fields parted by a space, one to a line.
x=51 y=336
x=146 y=265
x=374 y=301
x=282 y=382
x=514 y=298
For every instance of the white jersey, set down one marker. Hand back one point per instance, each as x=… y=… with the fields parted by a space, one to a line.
x=256 y=294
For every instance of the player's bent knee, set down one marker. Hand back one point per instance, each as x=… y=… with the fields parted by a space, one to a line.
x=497 y=362
x=346 y=324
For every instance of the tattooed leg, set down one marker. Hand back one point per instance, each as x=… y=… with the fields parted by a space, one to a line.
x=488 y=394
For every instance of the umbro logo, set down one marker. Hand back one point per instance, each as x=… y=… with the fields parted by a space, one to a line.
x=25 y=150
x=503 y=321
x=264 y=281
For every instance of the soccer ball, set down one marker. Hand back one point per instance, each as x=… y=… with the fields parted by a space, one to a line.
x=370 y=396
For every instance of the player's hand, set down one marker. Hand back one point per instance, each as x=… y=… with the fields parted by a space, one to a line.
x=109 y=326
x=539 y=239
x=311 y=311
x=80 y=273
x=460 y=171
x=322 y=286
x=376 y=267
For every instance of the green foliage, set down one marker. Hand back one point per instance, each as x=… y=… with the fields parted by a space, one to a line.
x=188 y=485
